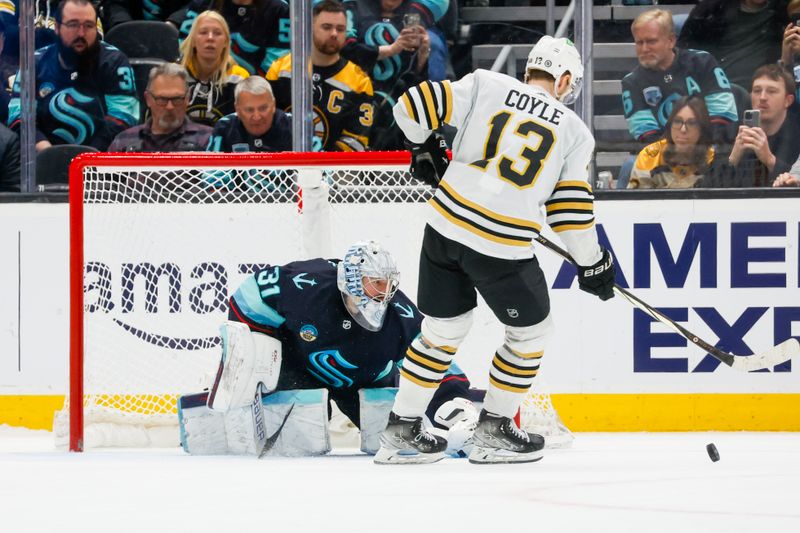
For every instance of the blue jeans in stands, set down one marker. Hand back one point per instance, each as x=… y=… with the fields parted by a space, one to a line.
x=437 y=61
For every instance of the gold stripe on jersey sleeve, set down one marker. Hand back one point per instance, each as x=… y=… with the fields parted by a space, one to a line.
x=362 y=138
x=407 y=102
x=573 y=183
x=342 y=147
x=572 y=227
x=579 y=206
x=448 y=99
x=355 y=79
x=486 y=212
x=280 y=68
x=478 y=231
x=430 y=104
x=507 y=386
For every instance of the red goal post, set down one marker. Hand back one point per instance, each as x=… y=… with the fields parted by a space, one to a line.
x=105 y=188
x=158 y=240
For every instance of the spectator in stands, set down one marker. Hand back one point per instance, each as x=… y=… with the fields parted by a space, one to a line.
x=7 y=71
x=119 y=11
x=343 y=109
x=259 y=29
x=666 y=73
x=85 y=91
x=168 y=129
x=213 y=73
x=684 y=154
x=44 y=24
x=789 y=179
x=392 y=44
x=741 y=34
x=762 y=153
x=257 y=126
x=790 y=48
x=9 y=160
x=394 y=51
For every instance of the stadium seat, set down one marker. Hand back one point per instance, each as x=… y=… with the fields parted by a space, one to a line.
x=742 y=97
x=150 y=39
x=141 y=71
x=52 y=165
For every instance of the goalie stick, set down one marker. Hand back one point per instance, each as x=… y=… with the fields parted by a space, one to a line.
x=745 y=363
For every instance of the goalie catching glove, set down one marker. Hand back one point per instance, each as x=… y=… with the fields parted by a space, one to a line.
x=429 y=160
x=598 y=279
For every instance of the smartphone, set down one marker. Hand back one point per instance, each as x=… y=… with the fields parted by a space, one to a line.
x=410 y=20
x=752 y=118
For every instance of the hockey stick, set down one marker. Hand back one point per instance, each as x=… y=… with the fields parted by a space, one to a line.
x=746 y=363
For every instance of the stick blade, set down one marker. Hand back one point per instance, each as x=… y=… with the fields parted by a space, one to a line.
x=774 y=356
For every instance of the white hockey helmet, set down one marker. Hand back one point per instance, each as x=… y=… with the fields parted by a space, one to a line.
x=368 y=278
x=557 y=57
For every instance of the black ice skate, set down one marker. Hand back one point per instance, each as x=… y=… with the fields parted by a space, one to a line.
x=497 y=439
x=406 y=441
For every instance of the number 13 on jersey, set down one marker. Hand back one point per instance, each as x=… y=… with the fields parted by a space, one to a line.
x=524 y=168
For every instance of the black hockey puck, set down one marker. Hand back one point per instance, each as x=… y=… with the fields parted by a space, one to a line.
x=713 y=453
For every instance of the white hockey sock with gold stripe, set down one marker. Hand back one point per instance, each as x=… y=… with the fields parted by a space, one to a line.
x=423 y=369
x=510 y=377
x=515 y=366
x=427 y=361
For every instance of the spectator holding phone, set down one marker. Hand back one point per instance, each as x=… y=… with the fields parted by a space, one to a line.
x=389 y=40
x=767 y=144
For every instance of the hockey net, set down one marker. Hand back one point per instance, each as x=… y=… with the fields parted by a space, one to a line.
x=157 y=241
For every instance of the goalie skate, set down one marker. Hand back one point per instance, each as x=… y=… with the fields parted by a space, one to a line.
x=406 y=441
x=497 y=439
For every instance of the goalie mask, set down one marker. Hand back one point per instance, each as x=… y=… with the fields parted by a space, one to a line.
x=558 y=57
x=368 y=278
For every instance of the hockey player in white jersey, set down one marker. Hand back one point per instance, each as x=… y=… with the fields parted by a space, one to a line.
x=520 y=161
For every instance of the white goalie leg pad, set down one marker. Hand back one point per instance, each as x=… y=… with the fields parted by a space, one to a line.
x=375 y=405
x=286 y=423
x=297 y=423
x=248 y=359
x=460 y=417
x=239 y=431
x=202 y=430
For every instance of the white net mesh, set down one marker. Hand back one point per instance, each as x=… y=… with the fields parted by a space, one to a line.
x=165 y=240
x=537 y=415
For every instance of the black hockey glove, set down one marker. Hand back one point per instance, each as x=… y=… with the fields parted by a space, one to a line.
x=429 y=160
x=598 y=279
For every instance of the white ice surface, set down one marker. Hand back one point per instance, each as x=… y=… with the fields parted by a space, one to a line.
x=607 y=482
